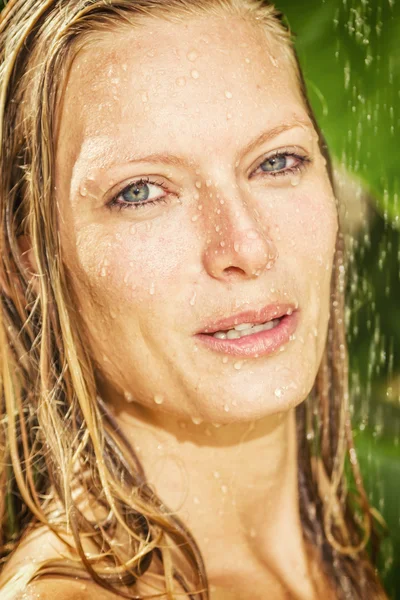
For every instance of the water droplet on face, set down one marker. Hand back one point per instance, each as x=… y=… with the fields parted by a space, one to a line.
x=195 y=74
x=132 y=229
x=238 y=365
x=193 y=299
x=217 y=228
x=226 y=408
x=181 y=81
x=216 y=474
x=158 y=399
x=152 y=289
x=200 y=207
x=224 y=489
x=195 y=218
x=198 y=185
x=208 y=182
x=273 y=60
x=228 y=94
x=225 y=360
x=295 y=181
x=83 y=191
x=192 y=55
x=236 y=247
x=278 y=392
x=113 y=315
x=197 y=420
x=229 y=116
x=103 y=272
x=145 y=97
x=247 y=60
x=251 y=235
x=196 y=500
x=128 y=396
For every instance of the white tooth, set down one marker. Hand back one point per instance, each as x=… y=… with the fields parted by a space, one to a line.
x=233 y=335
x=268 y=326
x=257 y=328
x=243 y=326
x=221 y=335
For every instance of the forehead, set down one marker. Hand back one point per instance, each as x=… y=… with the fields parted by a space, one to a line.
x=173 y=79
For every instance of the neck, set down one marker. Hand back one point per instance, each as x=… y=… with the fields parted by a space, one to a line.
x=234 y=487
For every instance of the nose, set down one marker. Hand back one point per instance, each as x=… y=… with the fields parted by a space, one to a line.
x=237 y=242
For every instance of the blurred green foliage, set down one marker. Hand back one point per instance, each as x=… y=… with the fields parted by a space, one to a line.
x=349 y=53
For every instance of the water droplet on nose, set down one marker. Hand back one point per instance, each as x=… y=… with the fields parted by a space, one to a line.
x=236 y=246
x=181 y=81
x=228 y=94
x=158 y=399
x=198 y=184
x=193 y=299
x=238 y=365
x=83 y=191
x=195 y=74
x=192 y=55
x=278 y=392
x=197 y=420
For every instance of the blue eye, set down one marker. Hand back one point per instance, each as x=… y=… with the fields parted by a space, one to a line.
x=274 y=163
x=138 y=194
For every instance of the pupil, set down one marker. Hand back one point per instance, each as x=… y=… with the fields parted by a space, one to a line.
x=274 y=164
x=136 y=193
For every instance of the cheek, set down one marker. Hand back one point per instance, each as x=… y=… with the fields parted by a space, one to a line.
x=135 y=267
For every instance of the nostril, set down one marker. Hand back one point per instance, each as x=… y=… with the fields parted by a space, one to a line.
x=234 y=271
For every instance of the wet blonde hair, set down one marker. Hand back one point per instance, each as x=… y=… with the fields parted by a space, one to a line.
x=56 y=435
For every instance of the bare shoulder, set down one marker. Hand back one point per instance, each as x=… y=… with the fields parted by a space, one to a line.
x=63 y=589
x=36 y=548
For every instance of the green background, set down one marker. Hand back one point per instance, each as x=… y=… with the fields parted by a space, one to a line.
x=349 y=51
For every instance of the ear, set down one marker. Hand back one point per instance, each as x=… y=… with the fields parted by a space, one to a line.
x=28 y=260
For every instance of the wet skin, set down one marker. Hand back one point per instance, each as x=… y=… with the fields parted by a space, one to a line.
x=227 y=236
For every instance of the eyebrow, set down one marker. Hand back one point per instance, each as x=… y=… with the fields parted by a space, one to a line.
x=265 y=136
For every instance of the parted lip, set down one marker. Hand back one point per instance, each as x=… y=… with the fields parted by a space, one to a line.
x=263 y=315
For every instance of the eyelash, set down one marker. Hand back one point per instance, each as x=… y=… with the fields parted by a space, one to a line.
x=115 y=204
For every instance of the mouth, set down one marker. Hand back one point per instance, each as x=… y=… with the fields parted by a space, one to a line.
x=253 y=333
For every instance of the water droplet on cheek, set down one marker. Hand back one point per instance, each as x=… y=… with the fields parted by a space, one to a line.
x=128 y=396
x=193 y=299
x=192 y=55
x=278 y=392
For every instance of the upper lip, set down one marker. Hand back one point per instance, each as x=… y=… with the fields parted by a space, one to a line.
x=263 y=315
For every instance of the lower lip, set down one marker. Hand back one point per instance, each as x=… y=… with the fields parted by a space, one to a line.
x=256 y=344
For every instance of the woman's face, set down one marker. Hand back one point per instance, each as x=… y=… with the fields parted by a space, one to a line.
x=235 y=218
